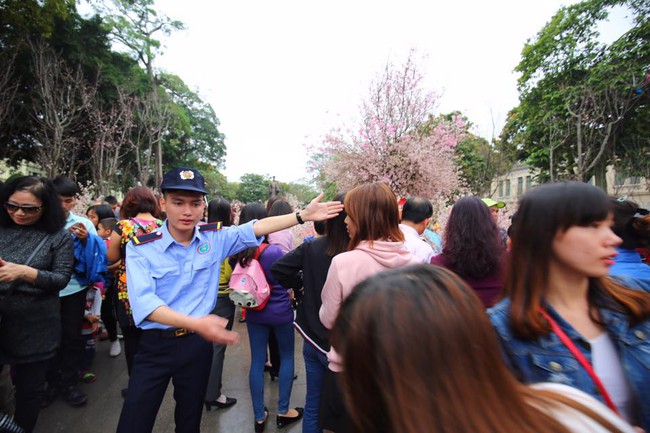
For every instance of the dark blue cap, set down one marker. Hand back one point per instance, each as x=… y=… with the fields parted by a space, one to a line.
x=184 y=179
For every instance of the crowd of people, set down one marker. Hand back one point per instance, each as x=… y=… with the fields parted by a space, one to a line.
x=541 y=326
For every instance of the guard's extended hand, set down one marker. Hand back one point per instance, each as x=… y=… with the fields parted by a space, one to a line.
x=317 y=211
x=213 y=328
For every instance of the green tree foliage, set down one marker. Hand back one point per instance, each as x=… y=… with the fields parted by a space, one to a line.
x=253 y=187
x=579 y=96
x=479 y=164
x=73 y=43
x=478 y=160
x=136 y=24
x=194 y=136
x=119 y=123
x=217 y=184
x=634 y=146
x=303 y=193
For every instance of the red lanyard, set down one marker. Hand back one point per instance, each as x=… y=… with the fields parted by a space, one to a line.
x=581 y=359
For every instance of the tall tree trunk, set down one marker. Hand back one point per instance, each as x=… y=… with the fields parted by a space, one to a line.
x=600 y=174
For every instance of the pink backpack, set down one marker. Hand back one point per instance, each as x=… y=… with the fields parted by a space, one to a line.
x=248 y=283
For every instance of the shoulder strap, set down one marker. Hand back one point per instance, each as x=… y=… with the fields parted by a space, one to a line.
x=580 y=358
x=37 y=249
x=260 y=250
x=210 y=227
x=145 y=239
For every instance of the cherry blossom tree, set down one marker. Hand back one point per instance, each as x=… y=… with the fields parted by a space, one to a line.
x=391 y=143
x=113 y=127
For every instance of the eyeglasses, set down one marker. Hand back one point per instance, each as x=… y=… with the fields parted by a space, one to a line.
x=31 y=210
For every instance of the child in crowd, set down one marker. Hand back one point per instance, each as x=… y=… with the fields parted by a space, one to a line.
x=89 y=328
x=105 y=228
x=90 y=325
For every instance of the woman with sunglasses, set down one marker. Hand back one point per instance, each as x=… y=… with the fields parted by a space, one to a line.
x=562 y=319
x=36 y=259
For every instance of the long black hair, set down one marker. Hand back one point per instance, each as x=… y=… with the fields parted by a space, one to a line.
x=53 y=217
x=631 y=223
x=471 y=244
x=103 y=211
x=219 y=209
x=250 y=211
x=336 y=231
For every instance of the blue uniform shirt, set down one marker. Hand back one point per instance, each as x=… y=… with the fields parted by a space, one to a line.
x=184 y=278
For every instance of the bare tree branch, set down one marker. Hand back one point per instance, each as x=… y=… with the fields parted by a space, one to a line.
x=61 y=99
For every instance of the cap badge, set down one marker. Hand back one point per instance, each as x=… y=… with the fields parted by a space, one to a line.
x=187 y=175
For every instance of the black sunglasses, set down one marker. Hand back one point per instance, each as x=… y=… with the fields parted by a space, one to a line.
x=32 y=210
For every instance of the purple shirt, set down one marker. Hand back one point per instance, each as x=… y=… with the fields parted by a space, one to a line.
x=278 y=309
x=487 y=288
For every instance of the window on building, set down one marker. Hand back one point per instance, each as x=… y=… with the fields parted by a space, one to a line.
x=507 y=187
x=500 y=188
x=520 y=185
x=529 y=182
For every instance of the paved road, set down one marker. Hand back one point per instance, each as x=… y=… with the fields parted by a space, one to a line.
x=101 y=413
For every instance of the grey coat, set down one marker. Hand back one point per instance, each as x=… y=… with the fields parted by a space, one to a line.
x=30 y=322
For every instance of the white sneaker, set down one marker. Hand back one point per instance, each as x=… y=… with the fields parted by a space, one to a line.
x=115 y=350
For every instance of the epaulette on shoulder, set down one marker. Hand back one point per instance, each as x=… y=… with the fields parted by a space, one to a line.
x=145 y=239
x=210 y=227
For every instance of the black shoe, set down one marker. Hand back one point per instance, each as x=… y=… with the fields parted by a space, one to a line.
x=259 y=426
x=74 y=396
x=274 y=375
x=48 y=395
x=214 y=405
x=283 y=421
x=124 y=392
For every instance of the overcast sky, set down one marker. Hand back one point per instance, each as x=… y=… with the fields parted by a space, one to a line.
x=280 y=74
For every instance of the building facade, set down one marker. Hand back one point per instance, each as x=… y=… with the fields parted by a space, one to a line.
x=512 y=185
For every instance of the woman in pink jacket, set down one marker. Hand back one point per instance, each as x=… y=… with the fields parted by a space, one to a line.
x=376 y=244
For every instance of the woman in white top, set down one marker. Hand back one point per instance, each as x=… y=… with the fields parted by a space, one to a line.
x=562 y=319
x=419 y=355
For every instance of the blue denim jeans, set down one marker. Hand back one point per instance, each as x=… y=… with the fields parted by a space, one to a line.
x=258 y=336
x=315 y=367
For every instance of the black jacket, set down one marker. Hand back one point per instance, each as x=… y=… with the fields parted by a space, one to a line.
x=307 y=266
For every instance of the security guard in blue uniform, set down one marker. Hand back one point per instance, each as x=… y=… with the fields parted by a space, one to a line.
x=172 y=275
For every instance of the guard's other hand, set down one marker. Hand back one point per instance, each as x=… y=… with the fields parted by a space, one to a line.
x=213 y=328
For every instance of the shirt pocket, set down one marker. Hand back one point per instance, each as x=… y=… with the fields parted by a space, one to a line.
x=203 y=264
x=203 y=271
x=637 y=344
x=558 y=368
x=165 y=278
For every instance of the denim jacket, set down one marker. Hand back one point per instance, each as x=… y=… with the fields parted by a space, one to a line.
x=548 y=360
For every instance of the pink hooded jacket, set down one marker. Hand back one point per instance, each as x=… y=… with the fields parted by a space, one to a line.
x=352 y=267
